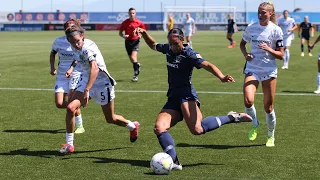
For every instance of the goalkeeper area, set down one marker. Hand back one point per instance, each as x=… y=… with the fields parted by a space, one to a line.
x=203 y=15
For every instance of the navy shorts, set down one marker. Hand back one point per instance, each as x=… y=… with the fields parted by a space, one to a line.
x=231 y=31
x=177 y=97
x=305 y=36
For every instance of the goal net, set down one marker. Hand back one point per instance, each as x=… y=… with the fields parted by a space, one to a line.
x=202 y=15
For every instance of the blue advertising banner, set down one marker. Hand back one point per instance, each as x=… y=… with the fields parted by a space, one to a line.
x=153 y=17
x=21 y=27
x=118 y=17
x=314 y=17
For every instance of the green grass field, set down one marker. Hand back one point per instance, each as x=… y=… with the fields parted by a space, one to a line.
x=32 y=128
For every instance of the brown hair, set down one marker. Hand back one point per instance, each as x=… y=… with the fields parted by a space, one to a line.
x=70 y=31
x=71 y=21
x=131 y=9
x=271 y=9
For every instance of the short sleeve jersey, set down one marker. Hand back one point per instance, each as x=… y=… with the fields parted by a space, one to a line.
x=180 y=65
x=230 y=24
x=90 y=52
x=285 y=25
x=305 y=28
x=188 y=24
x=263 y=62
x=129 y=26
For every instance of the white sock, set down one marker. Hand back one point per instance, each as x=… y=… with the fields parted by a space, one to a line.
x=130 y=125
x=69 y=138
x=318 y=80
x=253 y=113
x=78 y=121
x=271 y=123
x=286 y=57
x=190 y=44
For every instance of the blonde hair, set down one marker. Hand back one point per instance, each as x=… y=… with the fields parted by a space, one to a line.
x=271 y=9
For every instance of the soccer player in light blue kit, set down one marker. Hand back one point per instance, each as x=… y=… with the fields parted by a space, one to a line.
x=189 y=28
x=183 y=101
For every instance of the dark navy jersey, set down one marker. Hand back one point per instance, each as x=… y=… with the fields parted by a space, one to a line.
x=305 y=28
x=230 y=25
x=180 y=65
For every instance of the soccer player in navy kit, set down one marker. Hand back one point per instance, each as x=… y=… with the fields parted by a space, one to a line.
x=231 y=28
x=305 y=27
x=183 y=102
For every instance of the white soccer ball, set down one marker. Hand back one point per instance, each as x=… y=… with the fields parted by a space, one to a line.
x=161 y=163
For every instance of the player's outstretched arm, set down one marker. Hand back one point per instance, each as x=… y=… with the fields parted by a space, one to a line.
x=315 y=42
x=147 y=38
x=216 y=71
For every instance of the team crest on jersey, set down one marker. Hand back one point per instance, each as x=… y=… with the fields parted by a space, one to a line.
x=177 y=59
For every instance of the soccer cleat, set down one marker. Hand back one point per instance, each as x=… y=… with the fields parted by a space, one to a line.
x=66 y=149
x=135 y=79
x=310 y=54
x=134 y=133
x=253 y=133
x=79 y=130
x=317 y=91
x=240 y=117
x=230 y=46
x=270 y=142
x=284 y=67
x=234 y=43
x=176 y=167
x=302 y=54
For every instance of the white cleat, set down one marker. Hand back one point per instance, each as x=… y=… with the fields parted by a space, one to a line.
x=317 y=91
x=177 y=167
x=302 y=54
x=284 y=67
x=135 y=79
x=240 y=117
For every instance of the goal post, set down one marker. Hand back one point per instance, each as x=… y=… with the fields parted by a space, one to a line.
x=204 y=15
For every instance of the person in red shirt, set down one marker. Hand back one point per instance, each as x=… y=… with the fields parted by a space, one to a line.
x=132 y=40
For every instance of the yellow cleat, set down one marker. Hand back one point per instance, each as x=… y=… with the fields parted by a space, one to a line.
x=270 y=142
x=253 y=133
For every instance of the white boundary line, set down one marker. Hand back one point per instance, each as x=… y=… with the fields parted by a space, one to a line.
x=158 y=91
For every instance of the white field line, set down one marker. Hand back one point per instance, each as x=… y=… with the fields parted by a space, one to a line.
x=159 y=91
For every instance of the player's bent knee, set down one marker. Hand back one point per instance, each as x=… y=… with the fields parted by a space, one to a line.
x=197 y=130
x=71 y=109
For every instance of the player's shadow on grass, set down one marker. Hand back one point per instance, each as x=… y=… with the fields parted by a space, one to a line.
x=50 y=153
x=215 y=146
x=189 y=165
x=36 y=131
x=132 y=162
x=297 y=92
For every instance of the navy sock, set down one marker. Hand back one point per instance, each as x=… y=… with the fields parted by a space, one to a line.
x=231 y=40
x=167 y=143
x=309 y=49
x=302 y=48
x=213 y=122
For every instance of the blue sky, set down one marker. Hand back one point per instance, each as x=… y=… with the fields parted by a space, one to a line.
x=144 y=5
